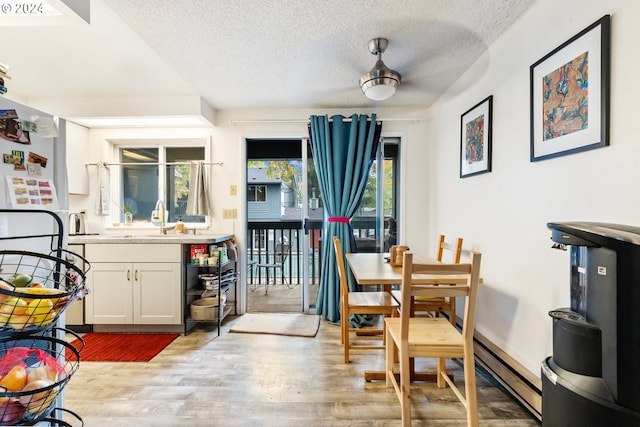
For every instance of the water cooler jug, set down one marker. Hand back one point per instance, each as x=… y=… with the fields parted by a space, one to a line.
x=593 y=377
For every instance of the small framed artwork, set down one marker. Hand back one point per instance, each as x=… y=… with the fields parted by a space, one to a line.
x=475 y=139
x=570 y=95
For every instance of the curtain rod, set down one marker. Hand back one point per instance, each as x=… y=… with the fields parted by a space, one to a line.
x=399 y=119
x=151 y=164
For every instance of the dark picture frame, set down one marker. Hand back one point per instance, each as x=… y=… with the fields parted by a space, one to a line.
x=475 y=138
x=570 y=94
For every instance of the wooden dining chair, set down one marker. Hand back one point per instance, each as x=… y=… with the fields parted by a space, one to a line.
x=439 y=305
x=433 y=337
x=366 y=302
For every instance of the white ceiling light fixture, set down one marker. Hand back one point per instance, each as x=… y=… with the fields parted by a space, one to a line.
x=381 y=82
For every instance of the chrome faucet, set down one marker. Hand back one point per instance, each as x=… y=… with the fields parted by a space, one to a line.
x=160 y=213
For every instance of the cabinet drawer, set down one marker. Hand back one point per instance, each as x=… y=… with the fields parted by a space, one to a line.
x=133 y=252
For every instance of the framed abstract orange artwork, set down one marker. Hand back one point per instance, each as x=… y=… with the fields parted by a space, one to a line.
x=570 y=95
x=475 y=139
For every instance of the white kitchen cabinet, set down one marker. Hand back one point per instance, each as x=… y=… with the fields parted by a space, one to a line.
x=137 y=284
x=77 y=158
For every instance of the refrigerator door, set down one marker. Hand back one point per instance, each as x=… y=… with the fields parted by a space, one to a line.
x=33 y=174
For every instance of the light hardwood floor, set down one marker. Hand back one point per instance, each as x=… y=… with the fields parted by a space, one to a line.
x=266 y=380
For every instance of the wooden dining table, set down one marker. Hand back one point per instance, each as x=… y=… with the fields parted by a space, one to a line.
x=375 y=269
x=371 y=269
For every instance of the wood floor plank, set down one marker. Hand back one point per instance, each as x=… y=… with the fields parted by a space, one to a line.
x=267 y=380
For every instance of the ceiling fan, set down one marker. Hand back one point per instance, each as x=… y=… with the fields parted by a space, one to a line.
x=381 y=82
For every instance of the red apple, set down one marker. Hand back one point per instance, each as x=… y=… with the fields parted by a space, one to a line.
x=11 y=411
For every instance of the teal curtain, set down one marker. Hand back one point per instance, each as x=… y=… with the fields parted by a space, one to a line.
x=343 y=152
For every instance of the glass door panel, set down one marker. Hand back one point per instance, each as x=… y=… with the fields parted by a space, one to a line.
x=375 y=223
x=275 y=208
x=314 y=216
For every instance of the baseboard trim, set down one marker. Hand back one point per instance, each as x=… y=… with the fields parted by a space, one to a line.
x=508 y=372
x=106 y=328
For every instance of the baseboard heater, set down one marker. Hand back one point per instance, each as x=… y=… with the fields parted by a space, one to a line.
x=515 y=378
x=524 y=386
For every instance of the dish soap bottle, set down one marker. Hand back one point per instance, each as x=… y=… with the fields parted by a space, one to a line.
x=180 y=226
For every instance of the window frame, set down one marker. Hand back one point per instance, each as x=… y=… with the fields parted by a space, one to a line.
x=264 y=187
x=114 y=218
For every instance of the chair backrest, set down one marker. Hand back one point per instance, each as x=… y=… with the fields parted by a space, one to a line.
x=456 y=250
x=282 y=251
x=469 y=290
x=342 y=272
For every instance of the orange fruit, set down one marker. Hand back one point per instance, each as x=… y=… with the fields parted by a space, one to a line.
x=15 y=379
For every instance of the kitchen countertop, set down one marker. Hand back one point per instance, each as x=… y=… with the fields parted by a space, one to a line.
x=148 y=238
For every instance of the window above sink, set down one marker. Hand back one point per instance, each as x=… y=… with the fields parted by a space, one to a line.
x=152 y=170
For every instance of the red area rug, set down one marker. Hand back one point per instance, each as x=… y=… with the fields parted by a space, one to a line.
x=103 y=347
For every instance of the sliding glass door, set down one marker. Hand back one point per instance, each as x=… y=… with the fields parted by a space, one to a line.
x=285 y=209
x=280 y=253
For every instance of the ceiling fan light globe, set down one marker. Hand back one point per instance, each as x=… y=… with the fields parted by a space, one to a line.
x=379 y=91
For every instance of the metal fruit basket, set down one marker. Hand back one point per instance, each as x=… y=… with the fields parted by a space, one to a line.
x=63 y=423
x=33 y=371
x=36 y=288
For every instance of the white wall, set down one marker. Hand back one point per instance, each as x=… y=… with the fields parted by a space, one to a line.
x=504 y=213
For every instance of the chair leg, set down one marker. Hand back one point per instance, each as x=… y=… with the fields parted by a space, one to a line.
x=405 y=387
x=284 y=279
x=251 y=276
x=389 y=357
x=440 y=371
x=395 y=313
x=266 y=286
x=342 y=326
x=470 y=390
x=345 y=334
x=384 y=336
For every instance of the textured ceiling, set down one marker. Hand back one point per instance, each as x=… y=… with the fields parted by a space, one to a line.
x=256 y=53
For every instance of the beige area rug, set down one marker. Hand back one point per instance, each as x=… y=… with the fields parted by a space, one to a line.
x=292 y=324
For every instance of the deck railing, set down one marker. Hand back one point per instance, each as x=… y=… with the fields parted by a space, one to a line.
x=263 y=236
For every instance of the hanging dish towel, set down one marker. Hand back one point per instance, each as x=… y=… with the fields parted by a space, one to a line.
x=101 y=207
x=197 y=200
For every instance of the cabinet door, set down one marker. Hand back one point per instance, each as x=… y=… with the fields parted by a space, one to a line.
x=157 y=293
x=109 y=301
x=77 y=154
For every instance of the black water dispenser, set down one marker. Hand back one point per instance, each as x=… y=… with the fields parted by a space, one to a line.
x=593 y=376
